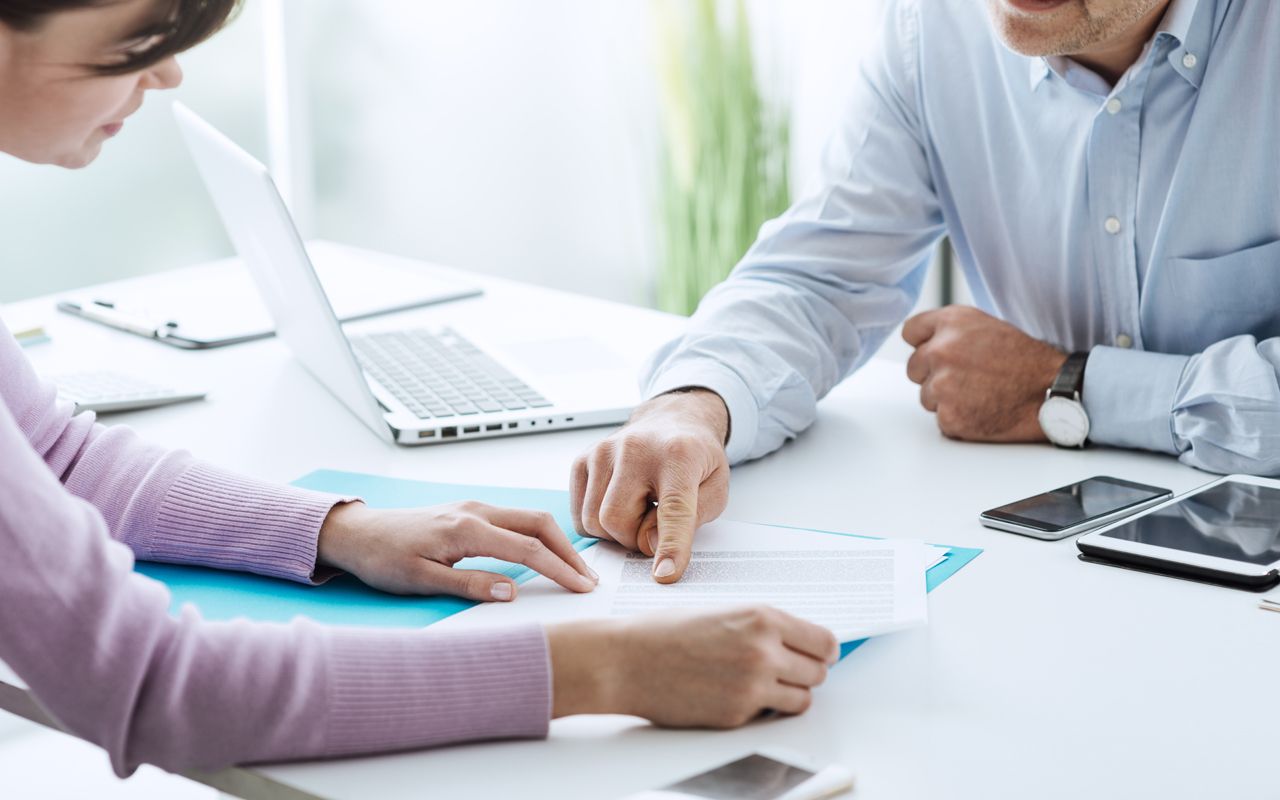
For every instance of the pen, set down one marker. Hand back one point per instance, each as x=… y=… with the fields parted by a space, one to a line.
x=107 y=314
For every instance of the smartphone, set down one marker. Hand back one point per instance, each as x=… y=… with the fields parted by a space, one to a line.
x=759 y=776
x=1075 y=508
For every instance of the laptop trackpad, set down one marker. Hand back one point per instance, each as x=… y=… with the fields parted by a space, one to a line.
x=562 y=356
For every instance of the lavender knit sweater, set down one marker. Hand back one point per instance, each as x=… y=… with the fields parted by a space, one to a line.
x=97 y=646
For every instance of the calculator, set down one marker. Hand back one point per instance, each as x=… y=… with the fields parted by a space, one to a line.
x=105 y=392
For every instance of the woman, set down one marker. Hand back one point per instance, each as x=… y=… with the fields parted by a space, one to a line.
x=78 y=501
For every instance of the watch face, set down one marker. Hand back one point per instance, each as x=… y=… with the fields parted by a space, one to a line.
x=1064 y=421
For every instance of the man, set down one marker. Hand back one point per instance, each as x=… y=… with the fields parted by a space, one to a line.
x=1109 y=173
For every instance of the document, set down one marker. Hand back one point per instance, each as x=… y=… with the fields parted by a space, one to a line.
x=855 y=587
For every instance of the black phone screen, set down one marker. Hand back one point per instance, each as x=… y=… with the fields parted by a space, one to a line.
x=756 y=777
x=1236 y=521
x=1071 y=505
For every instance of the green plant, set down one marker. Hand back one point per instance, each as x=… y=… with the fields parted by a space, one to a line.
x=725 y=148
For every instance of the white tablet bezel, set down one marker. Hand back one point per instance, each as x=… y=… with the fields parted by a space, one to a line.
x=1098 y=539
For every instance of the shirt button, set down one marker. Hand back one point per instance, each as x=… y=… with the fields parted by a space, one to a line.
x=1114 y=105
x=1112 y=225
x=1189 y=60
x=1124 y=340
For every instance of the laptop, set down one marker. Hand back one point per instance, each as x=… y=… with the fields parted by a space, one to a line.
x=413 y=386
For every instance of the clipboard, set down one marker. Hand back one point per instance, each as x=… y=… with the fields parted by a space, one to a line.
x=217 y=304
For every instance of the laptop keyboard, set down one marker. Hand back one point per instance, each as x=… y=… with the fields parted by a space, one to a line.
x=442 y=374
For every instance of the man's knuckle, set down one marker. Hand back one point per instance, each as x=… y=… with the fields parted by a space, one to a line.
x=944 y=347
x=683 y=449
x=632 y=446
x=614 y=519
x=950 y=422
x=600 y=458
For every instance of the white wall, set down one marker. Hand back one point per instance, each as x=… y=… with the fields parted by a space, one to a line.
x=520 y=139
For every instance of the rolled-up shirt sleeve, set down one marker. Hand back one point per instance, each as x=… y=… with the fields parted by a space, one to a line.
x=1129 y=396
x=1218 y=410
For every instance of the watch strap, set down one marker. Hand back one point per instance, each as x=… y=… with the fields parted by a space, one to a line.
x=1070 y=380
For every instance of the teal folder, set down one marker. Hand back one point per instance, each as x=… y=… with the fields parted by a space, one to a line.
x=344 y=600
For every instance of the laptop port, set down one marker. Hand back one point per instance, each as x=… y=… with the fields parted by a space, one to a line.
x=471 y=429
x=449 y=433
x=568 y=419
x=426 y=434
x=512 y=425
x=497 y=427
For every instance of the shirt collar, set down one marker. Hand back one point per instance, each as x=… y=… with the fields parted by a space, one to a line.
x=1181 y=23
x=1189 y=24
x=1177 y=19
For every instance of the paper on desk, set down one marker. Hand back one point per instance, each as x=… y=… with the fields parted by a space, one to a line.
x=855 y=587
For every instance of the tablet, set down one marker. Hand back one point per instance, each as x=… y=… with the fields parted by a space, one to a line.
x=1227 y=531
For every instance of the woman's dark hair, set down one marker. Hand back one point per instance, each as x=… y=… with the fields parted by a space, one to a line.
x=181 y=25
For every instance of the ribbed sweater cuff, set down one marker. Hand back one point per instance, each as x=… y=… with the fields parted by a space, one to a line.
x=215 y=518
x=393 y=690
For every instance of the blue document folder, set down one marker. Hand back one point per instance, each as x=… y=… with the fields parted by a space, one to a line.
x=221 y=595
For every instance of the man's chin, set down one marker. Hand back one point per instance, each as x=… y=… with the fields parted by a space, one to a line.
x=1051 y=33
x=1026 y=38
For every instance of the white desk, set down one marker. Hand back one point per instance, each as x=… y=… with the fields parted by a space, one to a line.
x=1037 y=677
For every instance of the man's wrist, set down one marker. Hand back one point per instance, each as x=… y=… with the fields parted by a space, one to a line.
x=706 y=405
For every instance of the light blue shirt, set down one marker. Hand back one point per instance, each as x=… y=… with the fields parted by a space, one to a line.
x=1140 y=222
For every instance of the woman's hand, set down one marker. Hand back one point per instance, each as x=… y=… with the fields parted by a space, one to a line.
x=412 y=551
x=716 y=669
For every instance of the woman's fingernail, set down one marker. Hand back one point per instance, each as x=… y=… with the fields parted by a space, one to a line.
x=501 y=591
x=586 y=584
x=665 y=568
x=653 y=541
x=595 y=576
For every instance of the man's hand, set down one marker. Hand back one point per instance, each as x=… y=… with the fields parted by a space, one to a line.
x=412 y=551
x=670 y=453
x=984 y=378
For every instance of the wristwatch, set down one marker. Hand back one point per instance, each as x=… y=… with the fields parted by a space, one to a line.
x=1062 y=416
